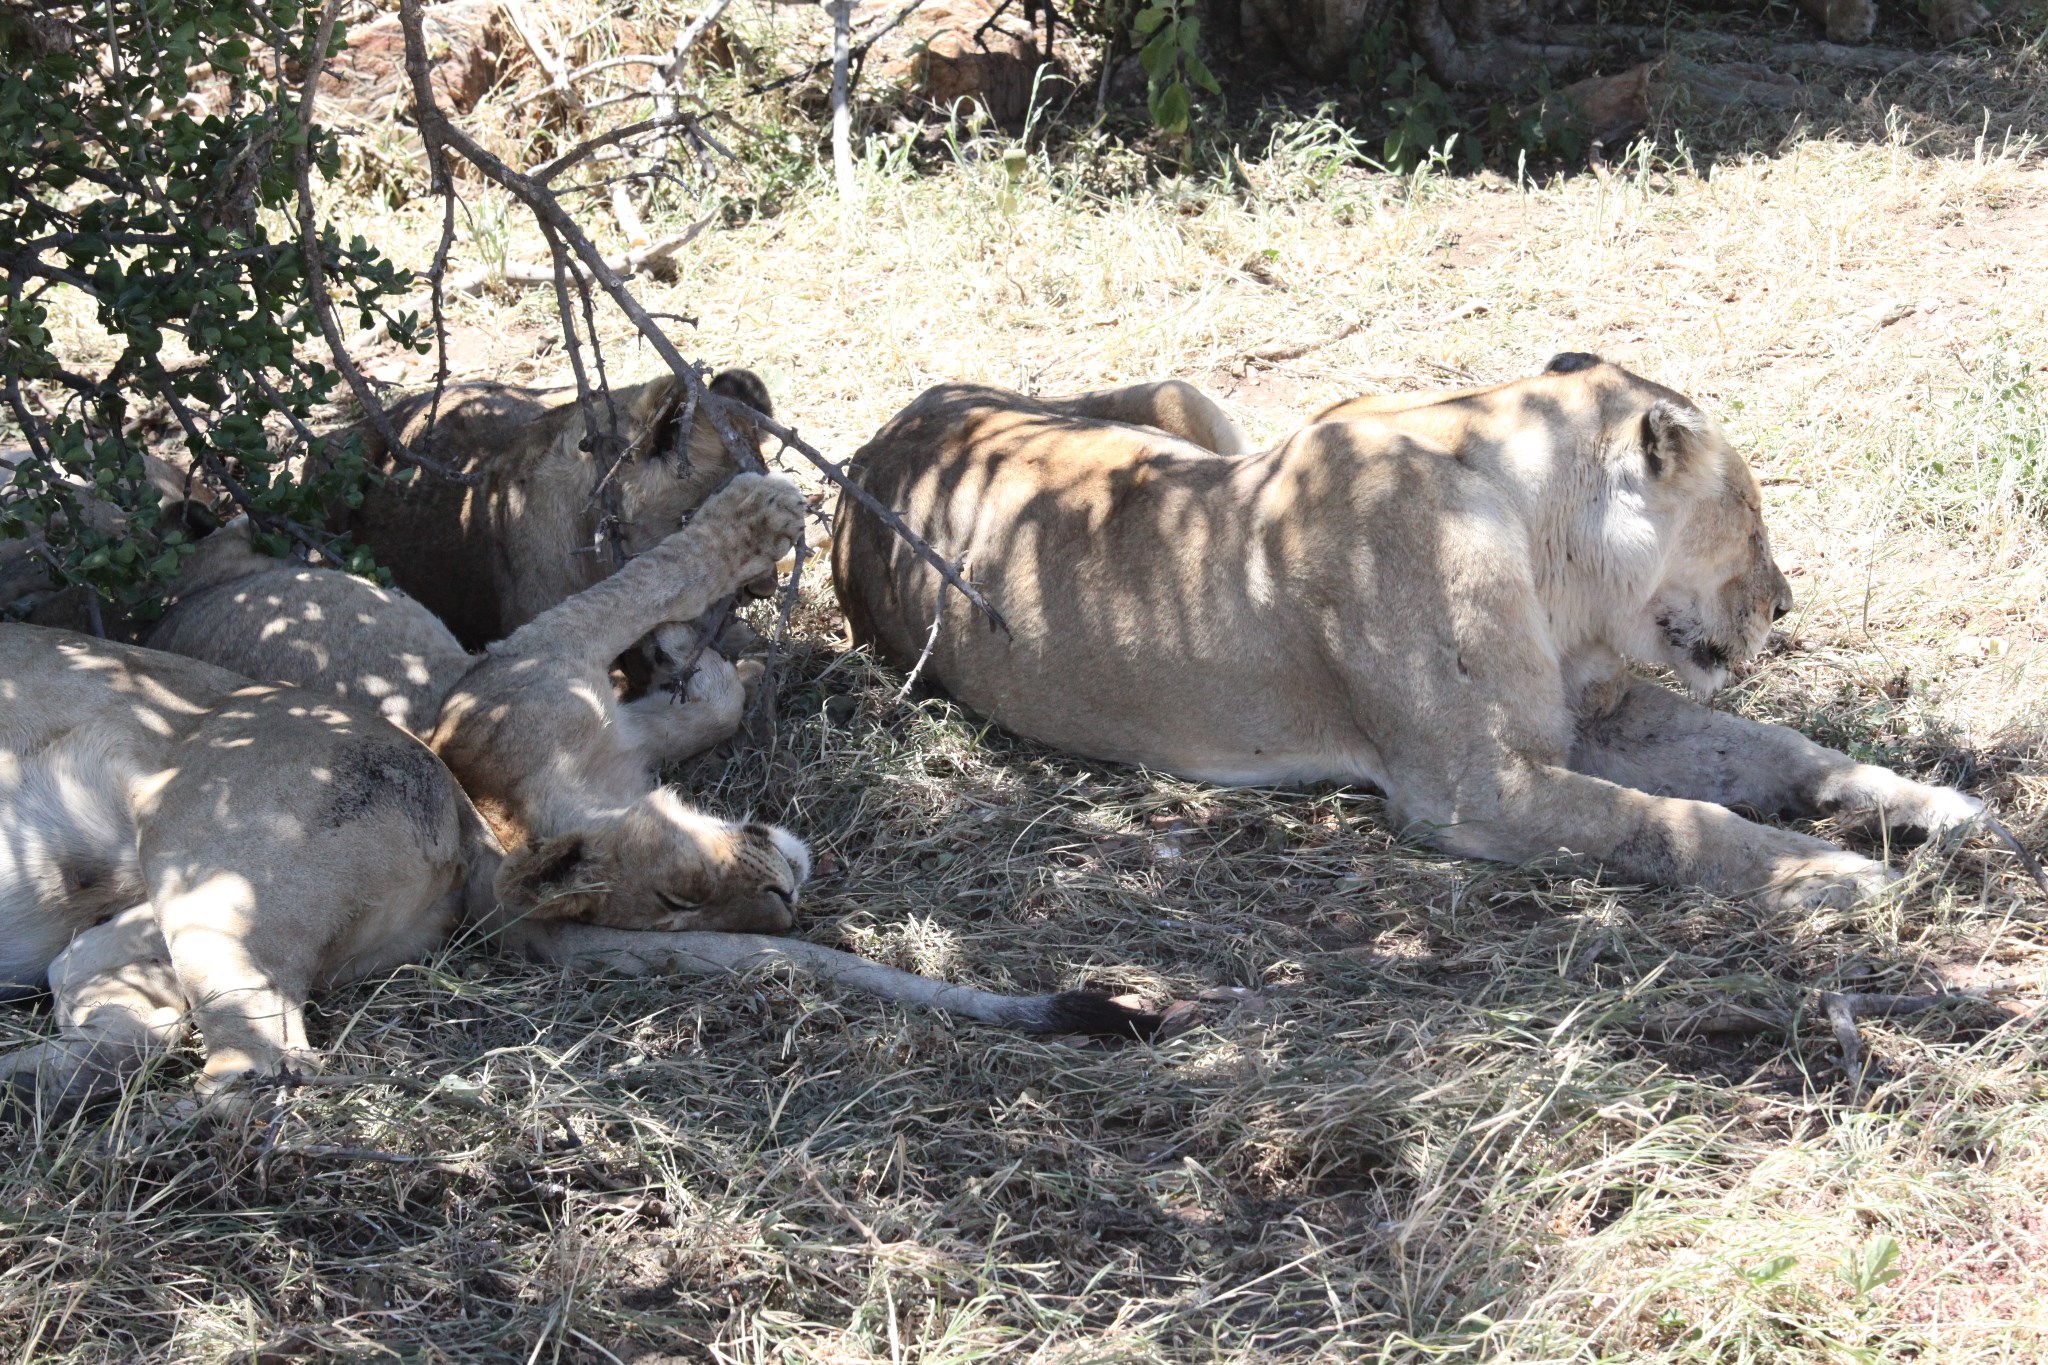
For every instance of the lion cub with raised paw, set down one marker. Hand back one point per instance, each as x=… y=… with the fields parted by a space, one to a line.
x=1436 y=595
x=563 y=771
x=561 y=768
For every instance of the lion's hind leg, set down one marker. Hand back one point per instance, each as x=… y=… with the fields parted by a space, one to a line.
x=1659 y=742
x=118 y=1005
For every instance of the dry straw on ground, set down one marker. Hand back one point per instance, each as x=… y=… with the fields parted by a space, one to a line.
x=1457 y=1112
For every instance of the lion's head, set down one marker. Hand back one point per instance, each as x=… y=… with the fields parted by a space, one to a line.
x=1675 y=481
x=661 y=865
x=675 y=466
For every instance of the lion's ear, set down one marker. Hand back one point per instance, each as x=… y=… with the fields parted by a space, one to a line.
x=549 y=879
x=189 y=515
x=1672 y=435
x=658 y=404
x=1571 y=362
x=746 y=387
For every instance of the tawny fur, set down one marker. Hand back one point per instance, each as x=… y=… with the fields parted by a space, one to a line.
x=321 y=629
x=565 y=771
x=486 y=559
x=1436 y=596
x=336 y=633
x=278 y=840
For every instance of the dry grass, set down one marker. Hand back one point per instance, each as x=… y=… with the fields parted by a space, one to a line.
x=1451 y=1120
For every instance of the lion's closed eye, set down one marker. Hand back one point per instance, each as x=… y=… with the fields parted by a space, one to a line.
x=676 y=903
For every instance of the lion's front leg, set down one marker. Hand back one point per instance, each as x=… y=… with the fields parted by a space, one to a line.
x=736 y=536
x=246 y=968
x=664 y=728
x=1659 y=742
x=1526 y=810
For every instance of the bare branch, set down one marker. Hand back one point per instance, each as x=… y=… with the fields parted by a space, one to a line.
x=548 y=170
x=556 y=70
x=931 y=640
x=316 y=271
x=858 y=55
x=2028 y=862
x=842 y=115
x=202 y=451
x=442 y=133
x=631 y=226
x=1842 y=1010
x=649 y=258
x=668 y=77
x=628 y=59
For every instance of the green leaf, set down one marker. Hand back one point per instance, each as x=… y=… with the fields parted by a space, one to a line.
x=1766 y=1271
x=1870 y=1267
x=1149 y=19
x=1157 y=56
x=1170 y=109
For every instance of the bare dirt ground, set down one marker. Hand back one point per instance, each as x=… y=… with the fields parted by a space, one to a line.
x=1435 y=1110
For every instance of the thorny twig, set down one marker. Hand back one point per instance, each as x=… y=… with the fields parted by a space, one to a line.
x=441 y=133
x=548 y=170
x=202 y=451
x=316 y=271
x=707 y=628
x=553 y=67
x=664 y=80
x=648 y=257
x=1842 y=1009
x=931 y=639
x=2019 y=850
x=857 y=56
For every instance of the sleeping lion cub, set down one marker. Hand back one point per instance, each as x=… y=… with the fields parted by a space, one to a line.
x=1435 y=595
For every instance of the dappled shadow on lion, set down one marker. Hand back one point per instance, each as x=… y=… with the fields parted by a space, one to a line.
x=1437 y=595
x=181 y=849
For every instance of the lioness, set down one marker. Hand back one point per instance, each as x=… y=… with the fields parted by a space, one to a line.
x=488 y=558
x=1433 y=596
x=247 y=843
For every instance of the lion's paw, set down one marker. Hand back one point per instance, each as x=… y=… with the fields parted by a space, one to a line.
x=230 y=1091
x=1938 y=810
x=1835 y=880
x=1901 y=803
x=717 y=687
x=762 y=514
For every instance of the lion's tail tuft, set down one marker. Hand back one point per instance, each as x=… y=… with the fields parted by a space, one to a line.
x=1090 y=1012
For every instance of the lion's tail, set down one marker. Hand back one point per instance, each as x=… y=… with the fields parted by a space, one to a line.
x=643 y=953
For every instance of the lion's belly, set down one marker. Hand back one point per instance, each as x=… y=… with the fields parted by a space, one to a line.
x=1263 y=718
x=391 y=935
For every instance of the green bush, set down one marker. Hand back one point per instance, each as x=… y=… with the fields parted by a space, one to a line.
x=150 y=156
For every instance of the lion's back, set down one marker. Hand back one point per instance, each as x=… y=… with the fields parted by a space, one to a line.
x=322 y=630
